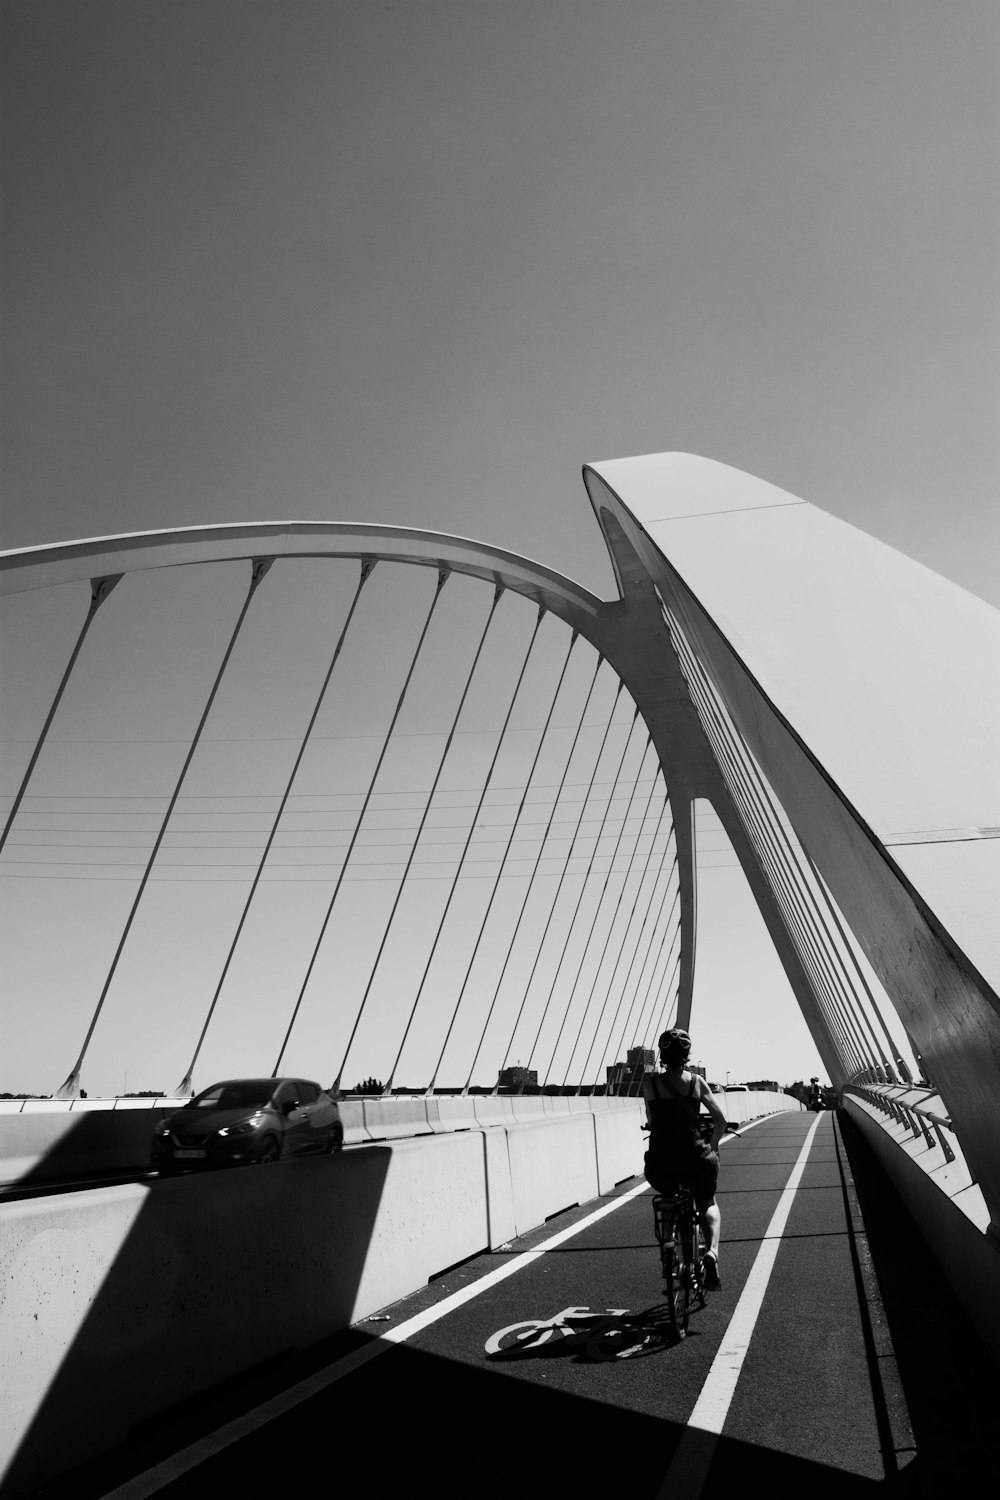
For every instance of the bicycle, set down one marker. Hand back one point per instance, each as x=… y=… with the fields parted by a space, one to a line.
x=678 y=1234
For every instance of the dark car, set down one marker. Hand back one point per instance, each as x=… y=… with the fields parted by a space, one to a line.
x=247 y=1121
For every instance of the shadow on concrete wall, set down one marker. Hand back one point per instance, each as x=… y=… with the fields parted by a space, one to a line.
x=188 y=1282
x=42 y=1146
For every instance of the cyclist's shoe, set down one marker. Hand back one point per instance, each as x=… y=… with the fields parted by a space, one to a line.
x=710 y=1273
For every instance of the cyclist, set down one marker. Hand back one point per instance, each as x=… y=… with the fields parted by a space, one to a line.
x=678 y=1152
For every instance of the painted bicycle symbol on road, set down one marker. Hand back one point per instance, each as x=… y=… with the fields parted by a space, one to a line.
x=614 y=1333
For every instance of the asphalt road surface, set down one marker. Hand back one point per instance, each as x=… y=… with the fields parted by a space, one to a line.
x=832 y=1361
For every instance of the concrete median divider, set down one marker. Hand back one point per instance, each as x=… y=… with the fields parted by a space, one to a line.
x=58 y=1140
x=118 y=1303
x=352 y=1117
x=741 y=1108
x=454 y=1112
x=618 y=1139
x=553 y=1165
x=397 y=1119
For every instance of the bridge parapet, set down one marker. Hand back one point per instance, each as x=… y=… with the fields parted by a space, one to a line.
x=923 y=1158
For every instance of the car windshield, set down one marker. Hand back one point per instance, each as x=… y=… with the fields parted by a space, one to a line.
x=248 y=1093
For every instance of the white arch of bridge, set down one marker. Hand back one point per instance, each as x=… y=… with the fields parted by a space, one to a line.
x=718 y=735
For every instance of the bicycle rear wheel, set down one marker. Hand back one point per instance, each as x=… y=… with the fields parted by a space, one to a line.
x=681 y=1278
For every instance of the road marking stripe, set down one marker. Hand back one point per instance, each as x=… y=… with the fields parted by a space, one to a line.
x=177 y=1464
x=180 y=1463
x=688 y=1468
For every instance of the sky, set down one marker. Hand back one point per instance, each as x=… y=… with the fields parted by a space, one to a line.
x=416 y=263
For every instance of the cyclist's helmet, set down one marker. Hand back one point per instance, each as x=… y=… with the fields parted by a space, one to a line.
x=675 y=1046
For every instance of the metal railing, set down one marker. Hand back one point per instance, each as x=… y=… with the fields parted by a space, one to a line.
x=898 y=1104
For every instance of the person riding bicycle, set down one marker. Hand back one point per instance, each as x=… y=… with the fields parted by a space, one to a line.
x=678 y=1152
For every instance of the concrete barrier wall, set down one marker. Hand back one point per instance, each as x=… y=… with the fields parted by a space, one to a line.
x=58 y=1139
x=117 y=1303
x=740 y=1108
x=42 y=1142
x=553 y=1165
x=949 y=1210
x=616 y=1133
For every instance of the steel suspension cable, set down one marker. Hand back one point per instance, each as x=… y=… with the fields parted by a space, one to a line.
x=416 y=841
x=788 y=888
x=538 y=859
x=787 y=877
x=806 y=942
x=72 y=1083
x=642 y=928
x=562 y=877
x=652 y=987
x=442 y=578
x=468 y=841
x=185 y=1086
x=774 y=835
x=624 y=939
x=804 y=939
x=612 y=1048
x=848 y=945
x=597 y=912
x=741 y=763
x=100 y=588
x=510 y=840
x=670 y=995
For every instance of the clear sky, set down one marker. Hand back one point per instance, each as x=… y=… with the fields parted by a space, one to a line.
x=415 y=263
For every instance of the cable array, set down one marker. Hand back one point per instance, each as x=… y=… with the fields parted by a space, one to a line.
x=854 y=1020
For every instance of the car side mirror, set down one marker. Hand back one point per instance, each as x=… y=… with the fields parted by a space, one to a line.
x=289 y=1105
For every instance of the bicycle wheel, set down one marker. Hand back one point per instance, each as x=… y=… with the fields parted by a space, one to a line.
x=681 y=1275
x=518 y=1336
x=663 y=1227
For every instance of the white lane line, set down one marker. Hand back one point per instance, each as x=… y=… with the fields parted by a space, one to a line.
x=688 y=1468
x=188 y=1458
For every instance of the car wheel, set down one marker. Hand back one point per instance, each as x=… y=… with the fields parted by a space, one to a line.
x=269 y=1151
x=336 y=1140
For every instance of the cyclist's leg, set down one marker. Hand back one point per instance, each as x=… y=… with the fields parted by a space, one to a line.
x=711 y=1225
x=710 y=1217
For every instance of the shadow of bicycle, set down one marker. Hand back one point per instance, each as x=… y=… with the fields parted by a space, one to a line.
x=588 y=1337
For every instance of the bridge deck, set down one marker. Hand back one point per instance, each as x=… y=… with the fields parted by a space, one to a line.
x=859 y=1371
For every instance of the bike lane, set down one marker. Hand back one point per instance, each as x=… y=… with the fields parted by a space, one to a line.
x=551 y=1410
x=818 y=1380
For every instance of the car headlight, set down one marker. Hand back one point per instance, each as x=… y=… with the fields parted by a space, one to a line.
x=242 y=1127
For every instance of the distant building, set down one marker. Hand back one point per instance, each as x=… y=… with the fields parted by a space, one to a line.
x=764 y=1085
x=697 y=1068
x=516 y=1078
x=621 y=1075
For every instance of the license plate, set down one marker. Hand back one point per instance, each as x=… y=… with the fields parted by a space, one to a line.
x=189 y=1155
